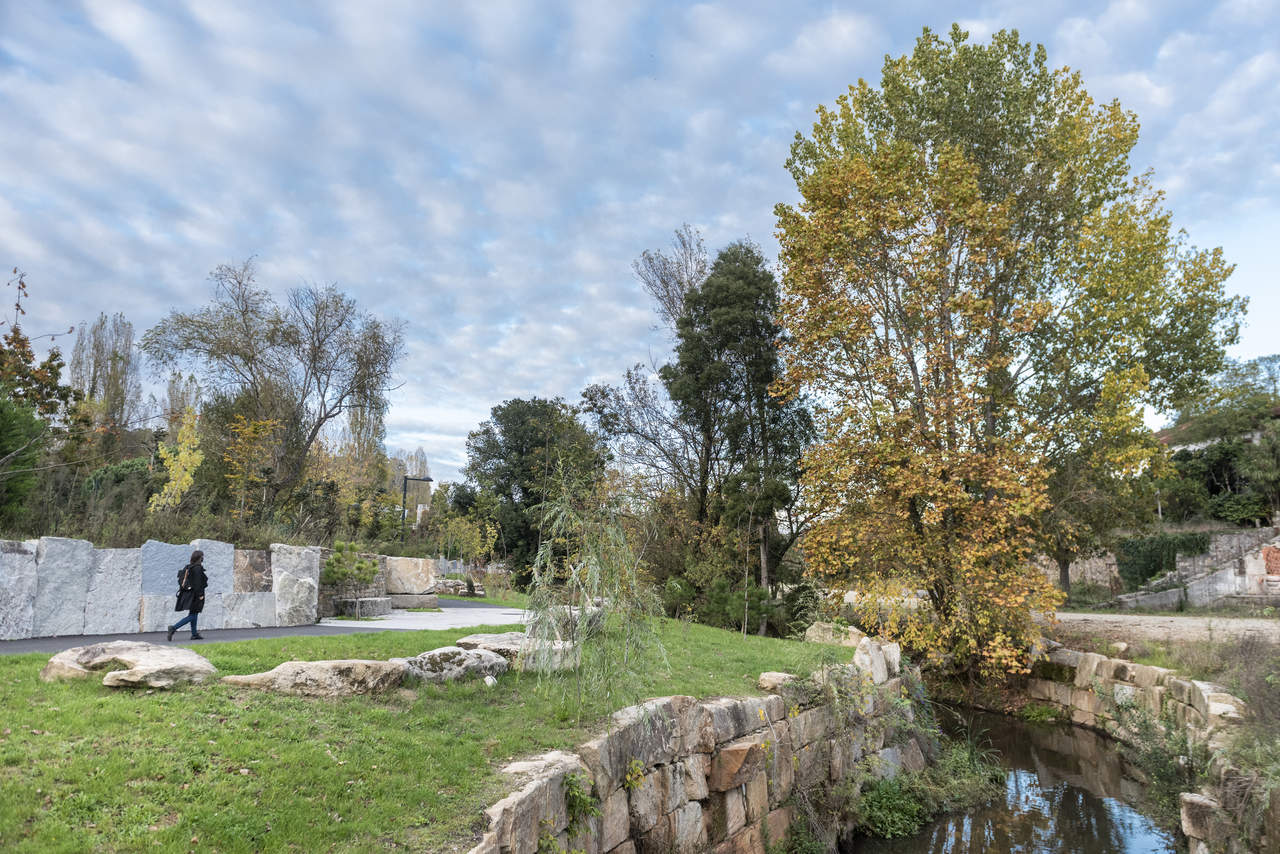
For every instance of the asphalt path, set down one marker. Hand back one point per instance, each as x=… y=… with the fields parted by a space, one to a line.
x=453 y=614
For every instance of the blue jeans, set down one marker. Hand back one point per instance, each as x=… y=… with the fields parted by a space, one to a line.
x=190 y=618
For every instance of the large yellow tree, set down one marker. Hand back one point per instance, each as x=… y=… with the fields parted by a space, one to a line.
x=976 y=290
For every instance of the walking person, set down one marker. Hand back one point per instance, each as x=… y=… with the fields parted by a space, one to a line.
x=191 y=584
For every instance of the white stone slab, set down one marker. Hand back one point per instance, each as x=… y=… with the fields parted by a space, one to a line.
x=219 y=563
x=155 y=613
x=248 y=610
x=63 y=568
x=161 y=563
x=410 y=575
x=115 y=592
x=17 y=589
x=295 y=582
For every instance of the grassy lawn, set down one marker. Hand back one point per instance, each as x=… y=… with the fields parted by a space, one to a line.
x=84 y=767
x=509 y=598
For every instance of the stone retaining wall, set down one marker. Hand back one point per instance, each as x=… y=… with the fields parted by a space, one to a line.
x=1088 y=687
x=681 y=775
x=57 y=586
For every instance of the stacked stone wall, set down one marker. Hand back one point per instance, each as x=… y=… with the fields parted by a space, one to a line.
x=678 y=775
x=1088 y=688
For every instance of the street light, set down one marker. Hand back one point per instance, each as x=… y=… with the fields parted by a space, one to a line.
x=404 y=499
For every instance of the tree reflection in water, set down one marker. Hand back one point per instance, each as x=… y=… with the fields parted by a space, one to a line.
x=1068 y=791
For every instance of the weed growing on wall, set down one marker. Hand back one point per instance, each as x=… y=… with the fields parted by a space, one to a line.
x=1166 y=755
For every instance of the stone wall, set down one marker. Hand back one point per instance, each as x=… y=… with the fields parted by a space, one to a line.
x=681 y=775
x=56 y=586
x=1088 y=687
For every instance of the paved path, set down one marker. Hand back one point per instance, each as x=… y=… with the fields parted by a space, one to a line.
x=1150 y=627
x=453 y=614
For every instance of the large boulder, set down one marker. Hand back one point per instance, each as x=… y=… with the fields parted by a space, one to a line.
x=870 y=659
x=295 y=581
x=524 y=652
x=18 y=582
x=339 y=678
x=830 y=633
x=410 y=575
x=450 y=663
x=63 y=568
x=115 y=591
x=130 y=664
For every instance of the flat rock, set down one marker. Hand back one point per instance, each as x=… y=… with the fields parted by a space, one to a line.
x=451 y=663
x=832 y=634
x=505 y=644
x=413 y=600
x=337 y=678
x=115 y=592
x=63 y=568
x=130 y=664
x=17 y=589
x=771 y=681
x=251 y=571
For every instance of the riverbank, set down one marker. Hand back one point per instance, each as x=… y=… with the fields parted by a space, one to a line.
x=91 y=768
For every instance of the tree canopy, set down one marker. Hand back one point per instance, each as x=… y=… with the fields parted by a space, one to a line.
x=978 y=292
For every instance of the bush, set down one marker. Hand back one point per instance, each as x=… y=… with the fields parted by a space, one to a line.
x=889 y=810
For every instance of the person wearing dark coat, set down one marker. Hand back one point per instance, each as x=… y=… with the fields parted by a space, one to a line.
x=191 y=584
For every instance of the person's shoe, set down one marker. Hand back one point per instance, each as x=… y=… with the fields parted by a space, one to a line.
x=171 y=631
x=197 y=637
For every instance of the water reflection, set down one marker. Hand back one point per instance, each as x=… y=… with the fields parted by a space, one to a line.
x=1066 y=792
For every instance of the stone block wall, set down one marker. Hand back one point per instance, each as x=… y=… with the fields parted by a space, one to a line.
x=1088 y=687
x=681 y=775
x=57 y=586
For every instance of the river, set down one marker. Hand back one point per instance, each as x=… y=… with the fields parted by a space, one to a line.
x=1068 y=790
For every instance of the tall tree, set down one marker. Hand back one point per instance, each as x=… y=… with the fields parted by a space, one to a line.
x=971 y=265
x=105 y=371
x=669 y=277
x=519 y=455
x=305 y=364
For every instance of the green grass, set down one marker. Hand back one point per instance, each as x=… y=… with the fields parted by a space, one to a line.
x=424 y=610
x=84 y=767
x=510 y=598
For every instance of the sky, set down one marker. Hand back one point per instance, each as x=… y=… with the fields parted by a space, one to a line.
x=488 y=171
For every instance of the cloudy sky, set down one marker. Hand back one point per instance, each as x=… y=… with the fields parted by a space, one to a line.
x=487 y=171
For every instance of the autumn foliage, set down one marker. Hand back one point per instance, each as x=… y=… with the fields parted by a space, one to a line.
x=975 y=292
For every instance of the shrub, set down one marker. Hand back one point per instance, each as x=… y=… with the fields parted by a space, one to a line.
x=889 y=811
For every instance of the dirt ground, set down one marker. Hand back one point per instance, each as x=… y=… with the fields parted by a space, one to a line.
x=1133 y=627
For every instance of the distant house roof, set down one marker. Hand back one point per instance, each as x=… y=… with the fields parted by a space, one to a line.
x=1179 y=435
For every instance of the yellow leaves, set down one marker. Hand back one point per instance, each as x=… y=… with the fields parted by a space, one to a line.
x=248 y=458
x=180 y=460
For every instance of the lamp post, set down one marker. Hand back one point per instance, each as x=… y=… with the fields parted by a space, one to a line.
x=404 y=499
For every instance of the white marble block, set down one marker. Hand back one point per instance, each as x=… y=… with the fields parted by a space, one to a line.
x=17 y=589
x=63 y=568
x=115 y=592
x=161 y=563
x=248 y=610
x=156 y=613
x=410 y=575
x=295 y=582
x=219 y=563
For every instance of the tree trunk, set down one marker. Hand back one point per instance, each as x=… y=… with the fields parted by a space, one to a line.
x=1064 y=574
x=764 y=572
